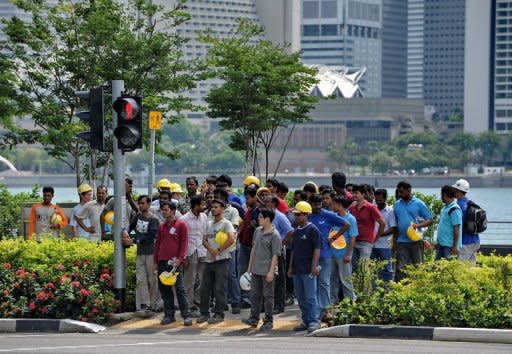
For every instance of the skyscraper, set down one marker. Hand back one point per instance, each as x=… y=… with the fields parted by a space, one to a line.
x=347 y=33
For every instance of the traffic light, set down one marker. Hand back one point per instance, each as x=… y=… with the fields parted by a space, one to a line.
x=129 y=122
x=93 y=117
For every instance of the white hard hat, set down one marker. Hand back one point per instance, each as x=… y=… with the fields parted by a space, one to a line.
x=462 y=185
x=245 y=282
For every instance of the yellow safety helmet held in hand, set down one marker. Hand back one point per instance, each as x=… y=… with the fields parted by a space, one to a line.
x=55 y=219
x=168 y=278
x=220 y=238
x=251 y=180
x=109 y=218
x=303 y=207
x=84 y=188
x=163 y=183
x=340 y=242
x=413 y=234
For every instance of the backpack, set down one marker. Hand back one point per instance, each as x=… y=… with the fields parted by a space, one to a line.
x=476 y=219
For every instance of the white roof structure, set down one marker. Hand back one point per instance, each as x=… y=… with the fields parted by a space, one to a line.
x=338 y=81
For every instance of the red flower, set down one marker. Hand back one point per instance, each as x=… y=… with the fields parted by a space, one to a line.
x=84 y=292
x=41 y=296
x=60 y=266
x=75 y=284
x=6 y=292
x=84 y=319
x=43 y=310
x=63 y=279
x=50 y=295
x=32 y=306
x=50 y=285
x=7 y=266
x=16 y=285
x=95 y=310
x=104 y=276
x=20 y=272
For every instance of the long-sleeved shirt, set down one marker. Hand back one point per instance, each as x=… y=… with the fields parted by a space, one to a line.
x=40 y=216
x=172 y=241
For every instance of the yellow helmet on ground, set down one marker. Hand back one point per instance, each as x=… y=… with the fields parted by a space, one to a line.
x=251 y=180
x=168 y=278
x=340 y=242
x=175 y=188
x=163 y=183
x=55 y=219
x=413 y=234
x=109 y=218
x=303 y=207
x=84 y=188
x=220 y=238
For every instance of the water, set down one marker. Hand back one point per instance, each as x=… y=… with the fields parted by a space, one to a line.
x=493 y=200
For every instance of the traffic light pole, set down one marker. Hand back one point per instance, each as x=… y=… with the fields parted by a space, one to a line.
x=119 y=206
x=151 y=178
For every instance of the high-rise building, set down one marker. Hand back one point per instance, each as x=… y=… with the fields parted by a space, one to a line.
x=394 y=48
x=436 y=54
x=345 y=33
x=488 y=77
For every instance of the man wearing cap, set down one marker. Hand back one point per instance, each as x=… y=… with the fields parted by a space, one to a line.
x=88 y=217
x=470 y=241
x=85 y=194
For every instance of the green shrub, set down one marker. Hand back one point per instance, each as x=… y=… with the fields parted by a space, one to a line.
x=57 y=278
x=10 y=209
x=446 y=293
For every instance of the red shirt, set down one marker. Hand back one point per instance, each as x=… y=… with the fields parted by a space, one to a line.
x=282 y=206
x=246 y=232
x=366 y=217
x=172 y=241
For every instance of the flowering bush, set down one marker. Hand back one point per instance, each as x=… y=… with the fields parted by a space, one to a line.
x=59 y=279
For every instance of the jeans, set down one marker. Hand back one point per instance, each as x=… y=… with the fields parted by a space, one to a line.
x=146 y=291
x=280 y=285
x=443 y=252
x=324 y=284
x=167 y=292
x=244 y=254
x=214 y=279
x=468 y=252
x=262 y=293
x=343 y=272
x=233 y=284
x=384 y=254
x=407 y=253
x=362 y=250
x=305 y=291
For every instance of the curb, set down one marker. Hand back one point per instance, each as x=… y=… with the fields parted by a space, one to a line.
x=48 y=325
x=413 y=332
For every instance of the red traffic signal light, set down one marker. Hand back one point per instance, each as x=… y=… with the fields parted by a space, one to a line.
x=129 y=122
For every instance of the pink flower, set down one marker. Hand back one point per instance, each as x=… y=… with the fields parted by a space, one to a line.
x=32 y=306
x=84 y=292
x=7 y=266
x=6 y=292
x=75 y=284
x=50 y=285
x=20 y=272
x=84 y=319
x=41 y=296
x=43 y=310
x=16 y=285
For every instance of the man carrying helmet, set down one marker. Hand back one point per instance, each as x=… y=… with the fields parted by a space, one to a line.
x=91 y=213
x=46 y=217
x=303 y=267
x=470 y=241
x=85 y=194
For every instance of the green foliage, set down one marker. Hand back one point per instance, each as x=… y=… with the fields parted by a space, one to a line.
x=265 y=88
x=55 y=278
x=69 y=46
x=446 y=293
x=10 y=209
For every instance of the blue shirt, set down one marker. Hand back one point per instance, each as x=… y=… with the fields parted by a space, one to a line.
x=467 y=238
x=232 y=197
x=407 y=212
x=326 y=220
x=451 y=217
x=282 y=224
x=305 y=240
x=349 y=234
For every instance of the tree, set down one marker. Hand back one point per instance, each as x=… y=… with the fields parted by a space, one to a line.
x=79 y=45
x=264 y=88
x=346 y=153
x=489 y=144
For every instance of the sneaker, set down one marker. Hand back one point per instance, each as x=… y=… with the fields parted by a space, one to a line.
x=166 y=320
x=301 y=327
x=195 y=314
x=202 y=319
x=216 y=319
x=246 y=305
x=290 y=301
x=235 y=310
x=187 y=321
x=250 y=322
x=313 y=327
x=266 y=326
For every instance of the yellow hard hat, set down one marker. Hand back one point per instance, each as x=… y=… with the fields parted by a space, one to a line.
x=263 y=189
x=83 y=188
x=55 y=219
x=303 y=207
x=109 y=218
x=168 y=278
x=340 y=242
x=311 y=183
x=175 y=188
x=251 y=180
x=413 y=234
x=220 y=238
x=163 y=183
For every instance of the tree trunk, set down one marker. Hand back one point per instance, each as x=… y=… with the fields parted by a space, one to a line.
x=284 y=150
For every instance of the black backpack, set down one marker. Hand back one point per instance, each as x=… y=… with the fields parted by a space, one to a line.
x=476 y=219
